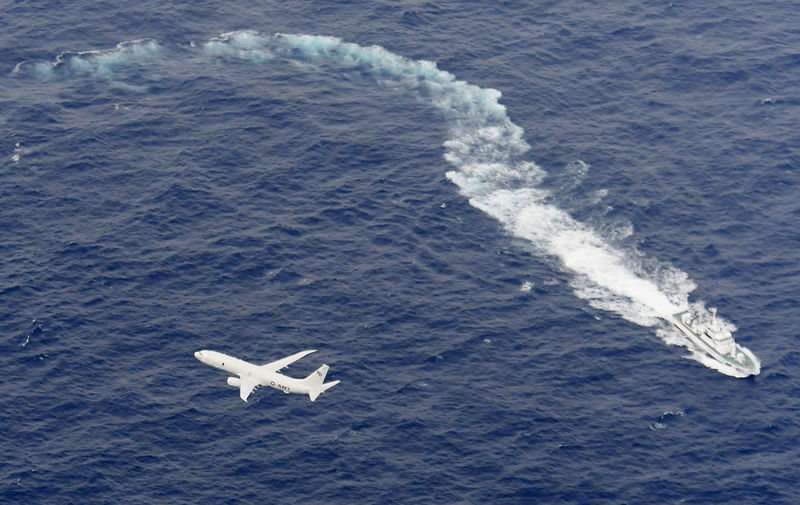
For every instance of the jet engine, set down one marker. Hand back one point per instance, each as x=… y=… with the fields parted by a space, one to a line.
x=234 y=381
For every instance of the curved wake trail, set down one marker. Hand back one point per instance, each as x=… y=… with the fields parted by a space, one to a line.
x=486 y=152
x=486 y=148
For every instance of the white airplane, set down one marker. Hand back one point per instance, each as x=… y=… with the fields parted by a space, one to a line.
x=251 y=375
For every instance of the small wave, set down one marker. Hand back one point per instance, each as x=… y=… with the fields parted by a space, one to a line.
x=662 y=422
x=17 y=153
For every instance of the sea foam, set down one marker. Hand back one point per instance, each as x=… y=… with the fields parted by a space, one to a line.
x=98 y=63
x=486 y=150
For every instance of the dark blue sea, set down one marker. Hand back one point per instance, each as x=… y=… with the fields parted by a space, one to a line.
x=476 y=212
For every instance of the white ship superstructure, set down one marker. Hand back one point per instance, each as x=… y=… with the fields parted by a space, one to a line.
x=711 y=337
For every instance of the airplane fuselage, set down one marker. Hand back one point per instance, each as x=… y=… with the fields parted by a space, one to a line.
x=249 y=371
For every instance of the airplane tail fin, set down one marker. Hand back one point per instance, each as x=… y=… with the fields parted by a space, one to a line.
x=316 y=384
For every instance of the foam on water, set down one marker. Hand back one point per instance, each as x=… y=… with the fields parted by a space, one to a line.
x=486 y=150
x=98 y=63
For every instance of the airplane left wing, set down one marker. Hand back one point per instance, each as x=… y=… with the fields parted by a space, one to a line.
x=246 y=387
x=284 y=362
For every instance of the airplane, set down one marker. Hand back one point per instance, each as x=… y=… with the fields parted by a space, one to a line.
x=250 y=375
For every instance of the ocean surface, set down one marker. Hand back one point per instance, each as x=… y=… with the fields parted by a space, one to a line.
x=475 y=211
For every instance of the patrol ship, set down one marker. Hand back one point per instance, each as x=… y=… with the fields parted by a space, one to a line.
x=712 y=338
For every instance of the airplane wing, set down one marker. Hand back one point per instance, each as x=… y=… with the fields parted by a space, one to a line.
x=283 y=363
x=246 y=387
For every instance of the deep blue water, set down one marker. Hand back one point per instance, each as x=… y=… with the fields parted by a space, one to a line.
x=483 y=273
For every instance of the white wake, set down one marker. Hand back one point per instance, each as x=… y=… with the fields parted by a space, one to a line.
x=486 y=151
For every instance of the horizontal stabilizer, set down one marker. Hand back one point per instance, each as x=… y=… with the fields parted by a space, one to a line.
x=329 y=385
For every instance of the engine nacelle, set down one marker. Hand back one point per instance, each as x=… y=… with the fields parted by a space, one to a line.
x=234 y=381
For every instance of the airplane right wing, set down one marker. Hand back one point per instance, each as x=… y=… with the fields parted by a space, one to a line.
x=283 y=363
